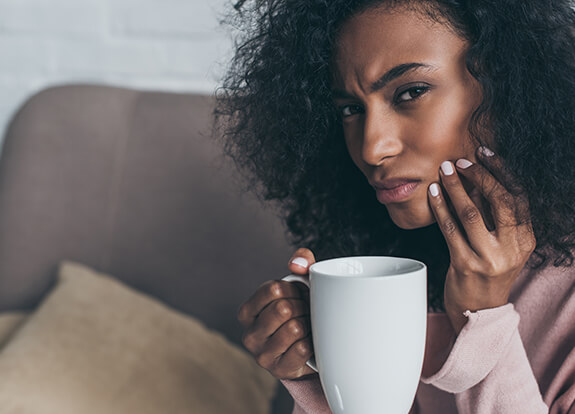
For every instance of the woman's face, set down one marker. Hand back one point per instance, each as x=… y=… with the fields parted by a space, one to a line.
x=405 y=98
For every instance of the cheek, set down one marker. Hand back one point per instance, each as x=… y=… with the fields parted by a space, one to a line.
x=353 y=143
x=446 y=132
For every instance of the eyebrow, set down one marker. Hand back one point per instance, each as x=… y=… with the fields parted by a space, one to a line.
x=387 y=77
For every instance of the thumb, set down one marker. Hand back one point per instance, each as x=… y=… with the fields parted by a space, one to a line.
x=300 y=261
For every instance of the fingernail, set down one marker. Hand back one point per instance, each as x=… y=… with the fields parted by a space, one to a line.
x=447 y=168
x=300 y=261
x=434 y=189
x=486 y=151
x=463 y=163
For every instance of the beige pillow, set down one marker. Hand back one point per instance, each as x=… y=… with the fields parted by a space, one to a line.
x=96 y=346
x=9 y=323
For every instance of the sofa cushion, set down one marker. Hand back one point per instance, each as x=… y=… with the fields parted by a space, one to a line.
x=96 y=346
x=134 y=184
x=9 y=323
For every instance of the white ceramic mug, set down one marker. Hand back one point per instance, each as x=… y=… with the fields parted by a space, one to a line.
x=369 y=319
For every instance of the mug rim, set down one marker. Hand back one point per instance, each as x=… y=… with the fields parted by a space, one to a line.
x=420 y=266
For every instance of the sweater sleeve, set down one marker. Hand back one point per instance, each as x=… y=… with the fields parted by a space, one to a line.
x=308 y=395
x=488 y=369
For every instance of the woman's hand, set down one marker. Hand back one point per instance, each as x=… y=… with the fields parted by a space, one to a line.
x=277 y=324
x=488 y=233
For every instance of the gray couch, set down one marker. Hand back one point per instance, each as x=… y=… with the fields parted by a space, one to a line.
x=132 y=184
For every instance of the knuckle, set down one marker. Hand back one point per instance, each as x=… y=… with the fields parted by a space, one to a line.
x=301 y=250
x=244 y=314
x=449 y=227
x=530 y=244
x=471 y=215
x=526 y=246
x=526 y=241
x=505 y=198
x=493 y=268
x=263 y=360
x=276 y=289
x=283 y=308
x=295 y=328
x=303 y=350
x=249 y=341
x=470 y=269
x=436 y=202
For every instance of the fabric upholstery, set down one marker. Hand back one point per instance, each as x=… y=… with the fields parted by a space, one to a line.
x=132 y=184
x=97 y=346
x=9 y=323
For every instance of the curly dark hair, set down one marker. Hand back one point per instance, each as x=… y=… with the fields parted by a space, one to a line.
x=275 y=113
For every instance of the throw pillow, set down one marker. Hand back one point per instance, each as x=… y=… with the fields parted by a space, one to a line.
x=96 y=346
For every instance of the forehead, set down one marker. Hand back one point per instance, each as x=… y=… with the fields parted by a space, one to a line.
x=378 y=39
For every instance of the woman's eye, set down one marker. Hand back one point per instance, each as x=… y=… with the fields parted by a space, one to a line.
x=349 y=110
x=411 y=93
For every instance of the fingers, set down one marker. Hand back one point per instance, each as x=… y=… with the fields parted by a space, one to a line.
x=481 y=214
x=288 y=349
x=277 y=324
x=508 y=207
x=279 y=337
x=300 y=261
x=468 y=213
x=292 y=364
x=483 y=206
x=288 y=334
x=267 y=293
x=279 y=315
x=488 y=245
x=456 y=240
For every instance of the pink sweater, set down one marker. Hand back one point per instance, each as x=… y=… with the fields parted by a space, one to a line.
x=518 y=358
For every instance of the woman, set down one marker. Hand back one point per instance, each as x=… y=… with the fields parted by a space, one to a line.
x=441 y=130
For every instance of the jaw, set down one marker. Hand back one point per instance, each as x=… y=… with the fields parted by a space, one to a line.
x=413 y=215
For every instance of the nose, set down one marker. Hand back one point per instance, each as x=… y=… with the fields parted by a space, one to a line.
x=381 y=137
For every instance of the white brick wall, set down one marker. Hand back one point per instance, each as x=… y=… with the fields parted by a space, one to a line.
x=174 y=45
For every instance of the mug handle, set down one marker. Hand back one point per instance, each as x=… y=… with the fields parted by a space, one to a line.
x=296 y=278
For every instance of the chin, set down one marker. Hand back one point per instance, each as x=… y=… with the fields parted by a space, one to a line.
x=408 y=220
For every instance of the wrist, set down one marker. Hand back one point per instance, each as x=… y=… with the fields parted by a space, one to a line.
x=457 y=318
x=457 y=314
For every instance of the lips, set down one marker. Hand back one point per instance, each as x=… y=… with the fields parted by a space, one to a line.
x=395 y=190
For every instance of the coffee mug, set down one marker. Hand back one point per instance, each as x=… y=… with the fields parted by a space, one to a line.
x=368 y=322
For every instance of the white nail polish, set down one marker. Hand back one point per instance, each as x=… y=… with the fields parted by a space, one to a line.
x=434 y=189
x=447 y=168
x=486 y=151
x=463 y=163
x=300 y=261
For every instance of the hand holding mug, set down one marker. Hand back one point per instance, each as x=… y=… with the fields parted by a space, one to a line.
x=277 y=323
